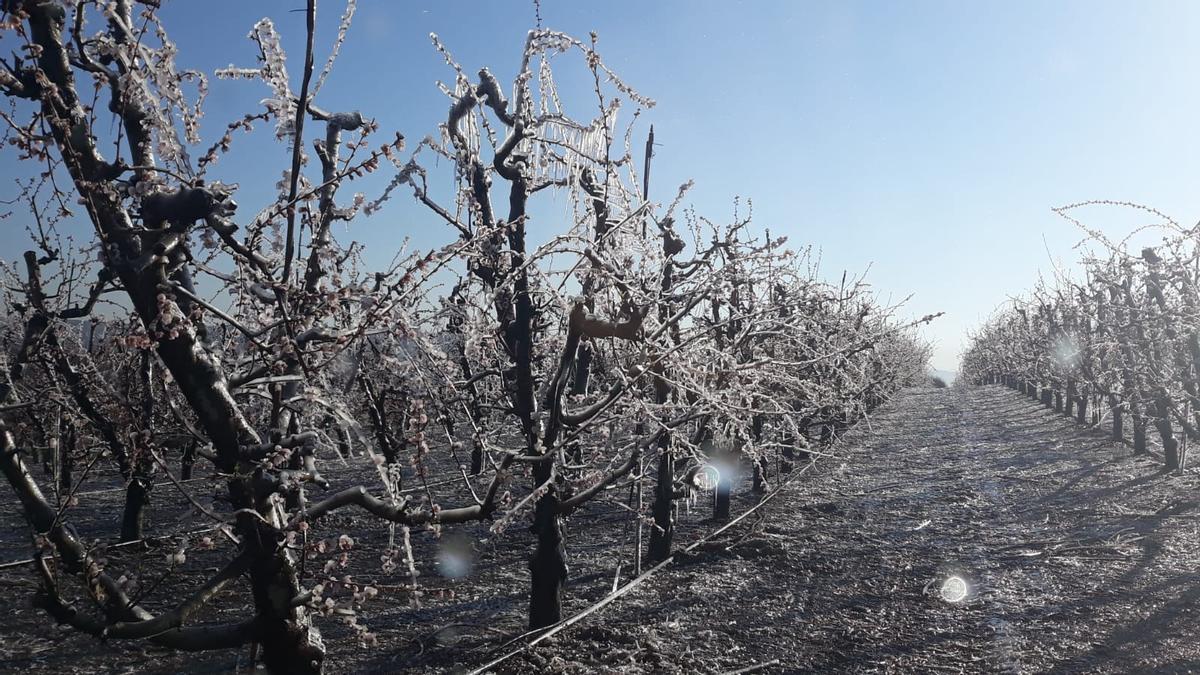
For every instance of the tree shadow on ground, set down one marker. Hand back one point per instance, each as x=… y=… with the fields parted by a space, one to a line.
x=1127 y=643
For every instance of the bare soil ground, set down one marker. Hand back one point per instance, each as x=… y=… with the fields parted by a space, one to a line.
x=1076 y=557
x=961 y=530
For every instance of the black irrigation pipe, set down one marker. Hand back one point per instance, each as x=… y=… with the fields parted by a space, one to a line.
x=554 y=629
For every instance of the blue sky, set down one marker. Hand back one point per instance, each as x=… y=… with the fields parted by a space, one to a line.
x=928 y=140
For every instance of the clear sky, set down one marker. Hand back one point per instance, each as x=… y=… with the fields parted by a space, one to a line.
x=926 y=139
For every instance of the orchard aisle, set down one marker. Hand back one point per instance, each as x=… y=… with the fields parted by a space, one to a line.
x=967 y=529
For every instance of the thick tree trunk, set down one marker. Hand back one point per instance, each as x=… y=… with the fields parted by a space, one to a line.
x=64 y=458
x=1166 y=433
x=548 y=566
x=663 y=531
x=289 y=643
x=66 y=466
x=583 y=369
x=760 y=474
x=137 y=496
x=1139 y=429
x=789 y=454
x=477 y=458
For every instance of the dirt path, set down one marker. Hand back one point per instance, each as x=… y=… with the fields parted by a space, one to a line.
x=1073 y=555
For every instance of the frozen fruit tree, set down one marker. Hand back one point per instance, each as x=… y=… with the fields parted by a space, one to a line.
x=523 y=371
x=1120 y=342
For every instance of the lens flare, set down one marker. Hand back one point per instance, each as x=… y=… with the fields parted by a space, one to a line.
x=955 y=589
x=455 y=557
x=1066 y=352
x=707 y=477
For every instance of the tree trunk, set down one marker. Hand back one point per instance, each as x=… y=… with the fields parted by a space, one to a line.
x=1118 y=418
x=760 y=461
x=66 y=465
x=789 y=454
x=1139 y=429
x=664 y=496
x=137 y=496
x=64 y=459
x=477 y=458
x=1166 y=432
x=289 y=643
x=188 y=461
x=583 y=369
x=760 y=474
x=548 y=567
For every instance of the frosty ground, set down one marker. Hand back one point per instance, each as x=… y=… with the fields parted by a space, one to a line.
x=959 y=530
x=1077 y=557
